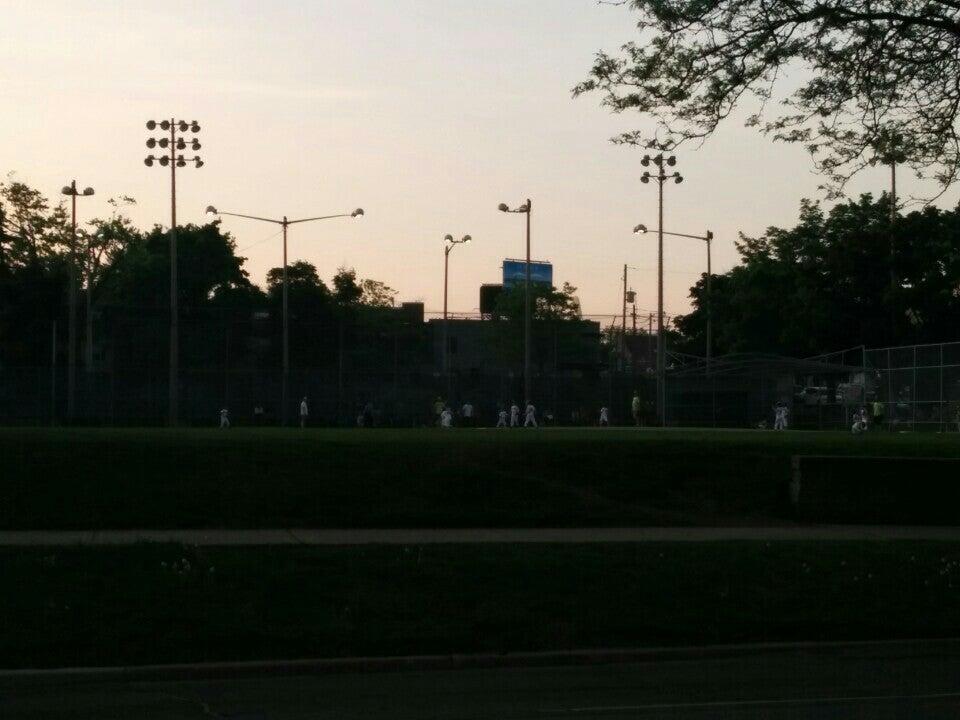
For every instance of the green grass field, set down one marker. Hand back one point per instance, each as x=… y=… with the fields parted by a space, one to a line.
x=166 y=603
x=117 y=478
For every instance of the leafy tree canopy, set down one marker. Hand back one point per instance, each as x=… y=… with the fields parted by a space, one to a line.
x=884 y=77
x=548 y=302
x=824 y=285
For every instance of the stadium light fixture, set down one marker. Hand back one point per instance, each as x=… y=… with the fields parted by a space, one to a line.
x=661 y=177
x=174 y=161
x=285 y=223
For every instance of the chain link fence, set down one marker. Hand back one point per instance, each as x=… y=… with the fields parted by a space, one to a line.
x=916 y=387
x=340 y=363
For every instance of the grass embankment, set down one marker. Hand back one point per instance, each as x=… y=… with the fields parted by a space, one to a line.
x=111 y=478
x=145 y=604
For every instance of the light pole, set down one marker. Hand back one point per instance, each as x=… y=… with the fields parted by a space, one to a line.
x=72 y=191
x=174 y=161
x=708 y=239
x=525 y=209
x=284 y=223
x=449 y=244
x=662 y=178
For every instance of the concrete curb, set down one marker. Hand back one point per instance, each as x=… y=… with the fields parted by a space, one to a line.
x=415 y=663
x=432 y=536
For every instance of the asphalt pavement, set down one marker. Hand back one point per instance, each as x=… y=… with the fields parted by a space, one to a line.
x=870 y=680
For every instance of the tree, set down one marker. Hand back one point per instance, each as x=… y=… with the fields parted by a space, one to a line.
x=823 y=285
x=883 y=77
x=105 y=241
x=207 y=265
x=35 y=257
x=308 y=295
x=301 y=275
x=548 y=302
x=377 y=294
x=33 y=233
x=346 y=289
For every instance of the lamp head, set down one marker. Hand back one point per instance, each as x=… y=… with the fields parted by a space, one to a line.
x=646 y=161
x=151 y=124
x=184 y=126
x=151 y=143
x=165 y=160
x=148 y=161
x=466 y=239
x=448 y=238
x=195 y=126
x=199 y=162
x=88 y=191
x=67 y=190
x=502 y=207
x=640 y=229
x=709 y=235
x=678 y=177
x=165 y=125
x=671 y=161
x=357 y=213
x=211 y=210
x=645 y=178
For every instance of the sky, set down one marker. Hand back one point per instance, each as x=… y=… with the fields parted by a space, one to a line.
x=425 y=113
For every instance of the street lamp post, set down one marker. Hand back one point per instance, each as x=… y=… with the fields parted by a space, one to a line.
x=72 y=191
x=285 y=223
x=525 y=209
x=661 y=178
x=449 y=244
x=174 y=161
x=708 y=239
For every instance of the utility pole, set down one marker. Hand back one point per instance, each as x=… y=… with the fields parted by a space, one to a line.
x=623 y=333
x=2 y=238
x=53 y=374
x=650 y=338
x=174 y=161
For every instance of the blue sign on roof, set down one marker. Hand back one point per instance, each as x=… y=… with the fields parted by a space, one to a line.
x=515 y=271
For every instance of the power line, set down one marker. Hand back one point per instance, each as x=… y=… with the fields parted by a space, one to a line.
x=258 y=242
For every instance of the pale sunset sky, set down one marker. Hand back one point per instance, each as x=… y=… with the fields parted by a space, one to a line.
x=426 y=113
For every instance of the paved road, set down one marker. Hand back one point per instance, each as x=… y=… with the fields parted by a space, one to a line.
x=879 y=681
x=475 y=535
